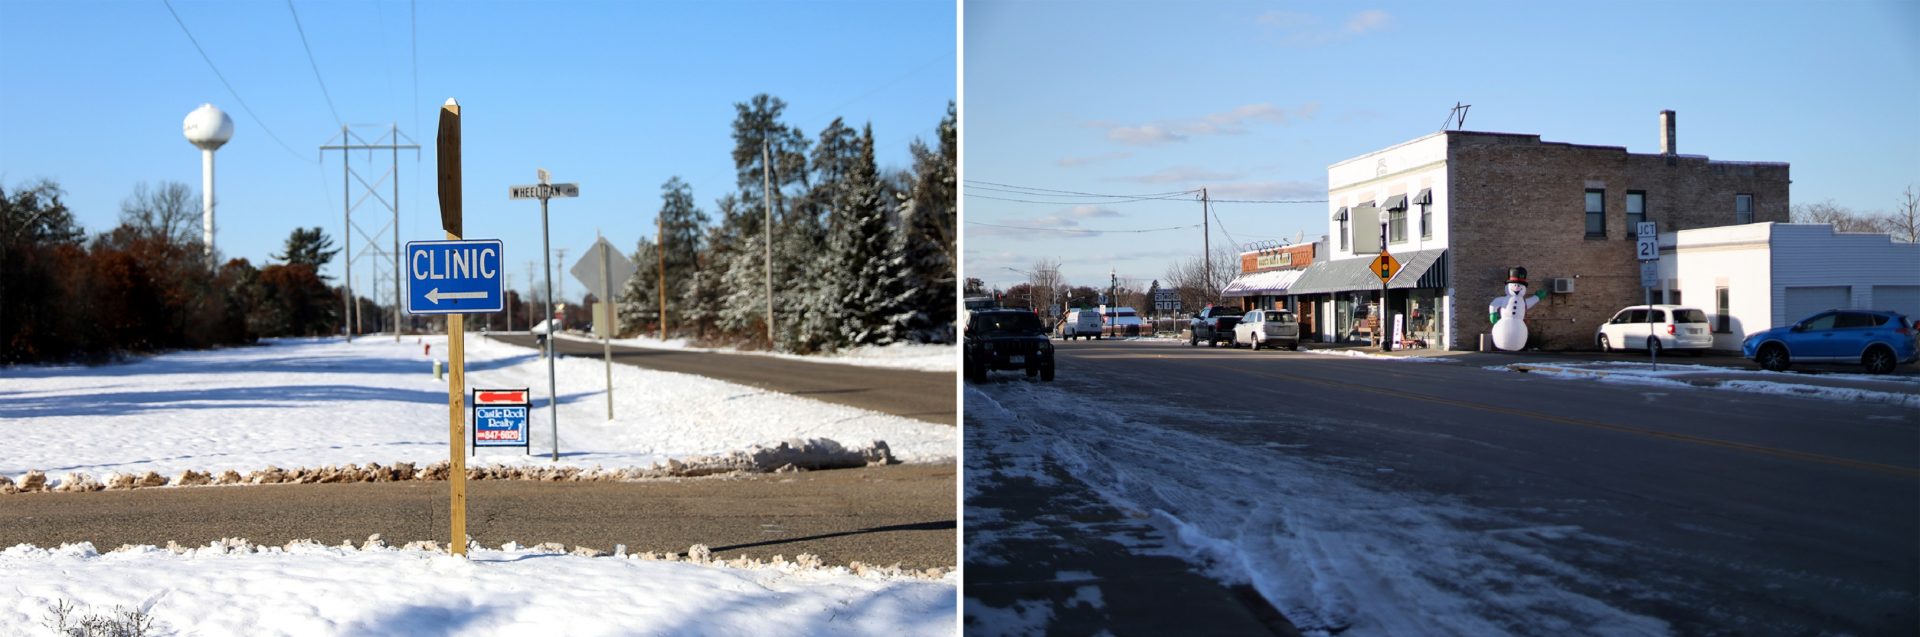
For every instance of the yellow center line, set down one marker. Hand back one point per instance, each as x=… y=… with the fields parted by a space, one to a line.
x=1905 y=472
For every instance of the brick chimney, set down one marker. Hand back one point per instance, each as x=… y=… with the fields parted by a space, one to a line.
x=1667 y=146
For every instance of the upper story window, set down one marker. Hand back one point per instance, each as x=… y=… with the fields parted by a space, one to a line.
x=1596 y=214
x=1743 y=208
x=1345 y=237
x=1397 y=225
x=1425 y=200
x=1636 y=211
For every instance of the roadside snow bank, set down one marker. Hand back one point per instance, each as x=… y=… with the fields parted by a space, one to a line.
x=925 y=357
x=336 y=412
x=1354 y=353
x=233 y=587
x=1898 y=390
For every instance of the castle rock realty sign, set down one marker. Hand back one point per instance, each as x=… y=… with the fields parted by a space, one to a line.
x=455 y=277
x=500 y=418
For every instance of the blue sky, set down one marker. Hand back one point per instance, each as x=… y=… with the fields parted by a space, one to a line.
x=616 y=96
x=1255 y=100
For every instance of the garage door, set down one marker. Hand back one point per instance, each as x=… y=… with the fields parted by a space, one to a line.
x=1904 y=299
x=1803 y=302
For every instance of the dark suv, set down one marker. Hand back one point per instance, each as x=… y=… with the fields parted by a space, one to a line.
x=1007 y=339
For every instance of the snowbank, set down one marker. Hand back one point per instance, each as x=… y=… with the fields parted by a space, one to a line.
x=1895 y=390
x=926 y=357
x=1354 y=353
x=235 y=588
x=325 y=410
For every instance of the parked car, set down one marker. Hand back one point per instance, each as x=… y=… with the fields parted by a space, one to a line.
x=1120 y=321
x=1006 y=339
x=1878 y=340
x=1658 y=327
x=1080 y=324
x=1267 y=328
x=1212 y=325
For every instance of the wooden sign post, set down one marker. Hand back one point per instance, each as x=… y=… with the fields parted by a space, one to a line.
x=447 y=147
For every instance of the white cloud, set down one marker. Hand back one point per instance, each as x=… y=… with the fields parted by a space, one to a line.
x=1305 y=30
x=1230 y=122
x=1292 y=189
x=1089 y=212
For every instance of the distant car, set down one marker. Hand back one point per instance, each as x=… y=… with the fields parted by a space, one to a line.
x=1656 y=327
x=1880 y=341
x=1006 y=339
x=981 y=303
x=540 y=331
x=1120 y=321
x=1080 y=324
x=1267 y=328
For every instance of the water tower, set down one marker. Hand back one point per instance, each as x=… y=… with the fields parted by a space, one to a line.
x=208 y=128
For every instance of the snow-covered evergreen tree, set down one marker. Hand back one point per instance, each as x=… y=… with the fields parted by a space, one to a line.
x=927 y=219
x=638 y=302
x=873 y=290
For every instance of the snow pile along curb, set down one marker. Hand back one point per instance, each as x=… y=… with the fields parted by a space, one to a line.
x=793 y=455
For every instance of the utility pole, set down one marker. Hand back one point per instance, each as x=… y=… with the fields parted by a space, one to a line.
x=563 y=280
x=1206 y=247
x=390 y=142
x=660 y=250
x=766 y=188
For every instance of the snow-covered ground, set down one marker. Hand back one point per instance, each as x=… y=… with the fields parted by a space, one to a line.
x=310 y=403
x=1897 y=390
x=309 y=589
x=1332 y=553
x=915 y=356
x=1354 y=353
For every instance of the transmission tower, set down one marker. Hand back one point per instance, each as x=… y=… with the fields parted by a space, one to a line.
x=349 y=141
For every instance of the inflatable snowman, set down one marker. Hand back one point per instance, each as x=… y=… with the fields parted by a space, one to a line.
x=1509 y=313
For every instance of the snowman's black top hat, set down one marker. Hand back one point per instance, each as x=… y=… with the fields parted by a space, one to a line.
x=1517 y=274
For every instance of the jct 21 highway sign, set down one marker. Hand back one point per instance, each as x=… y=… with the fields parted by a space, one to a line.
x=455 y=277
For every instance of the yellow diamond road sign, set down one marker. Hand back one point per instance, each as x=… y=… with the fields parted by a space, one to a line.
x=1384 y=266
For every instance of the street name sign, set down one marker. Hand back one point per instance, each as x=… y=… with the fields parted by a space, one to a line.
x=1647 y=245
x=543 y=191
x=455 y=277
x=618 y=269
x=500 y=418
x=1384 y=266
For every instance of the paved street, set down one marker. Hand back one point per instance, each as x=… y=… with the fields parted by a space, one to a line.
x=920 y=395
x=1393 y=496
x=879 y=515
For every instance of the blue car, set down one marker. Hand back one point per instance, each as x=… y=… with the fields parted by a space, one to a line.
x=1878 y=340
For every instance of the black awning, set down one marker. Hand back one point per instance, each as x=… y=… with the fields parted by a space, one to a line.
x=1341 y=214
x=1396 y=202
x=1424 y=197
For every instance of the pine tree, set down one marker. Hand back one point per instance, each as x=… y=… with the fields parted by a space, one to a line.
x=927 y=220
x=639 y=301
x=873 y=292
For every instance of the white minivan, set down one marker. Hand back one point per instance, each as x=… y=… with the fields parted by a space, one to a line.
x=1662 y=327
x=1080 y=324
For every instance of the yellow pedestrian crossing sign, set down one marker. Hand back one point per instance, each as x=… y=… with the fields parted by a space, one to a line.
x=1384 y=266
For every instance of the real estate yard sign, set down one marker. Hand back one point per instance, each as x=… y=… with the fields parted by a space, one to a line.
x=500 y=418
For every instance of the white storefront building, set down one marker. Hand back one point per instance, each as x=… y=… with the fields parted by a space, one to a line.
x=1754 y=277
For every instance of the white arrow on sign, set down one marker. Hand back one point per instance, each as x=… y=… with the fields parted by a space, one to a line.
x=434 y=295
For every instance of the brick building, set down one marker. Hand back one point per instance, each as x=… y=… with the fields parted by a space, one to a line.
x=1458 y=208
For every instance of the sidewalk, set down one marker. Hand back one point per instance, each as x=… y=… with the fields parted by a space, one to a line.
x=1713 y=369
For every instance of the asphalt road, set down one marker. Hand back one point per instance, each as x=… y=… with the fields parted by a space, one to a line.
x=878 y=515
x=927 y=396
x=1748 y=513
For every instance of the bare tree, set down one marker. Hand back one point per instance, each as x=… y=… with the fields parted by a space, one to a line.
x=1841 y=218
x=1188 y=278
x=1045 y=282
x=1905 y=222
x=170 y=211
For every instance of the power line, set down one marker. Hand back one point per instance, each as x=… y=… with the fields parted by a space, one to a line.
x=1067 y=203
x=1091 y=194
x=1082 y=230
x=1269 y=201
x=229 y=85
x=314 y=64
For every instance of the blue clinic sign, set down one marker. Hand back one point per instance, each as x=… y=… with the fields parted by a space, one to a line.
x=500 y=418
x=455 y=277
